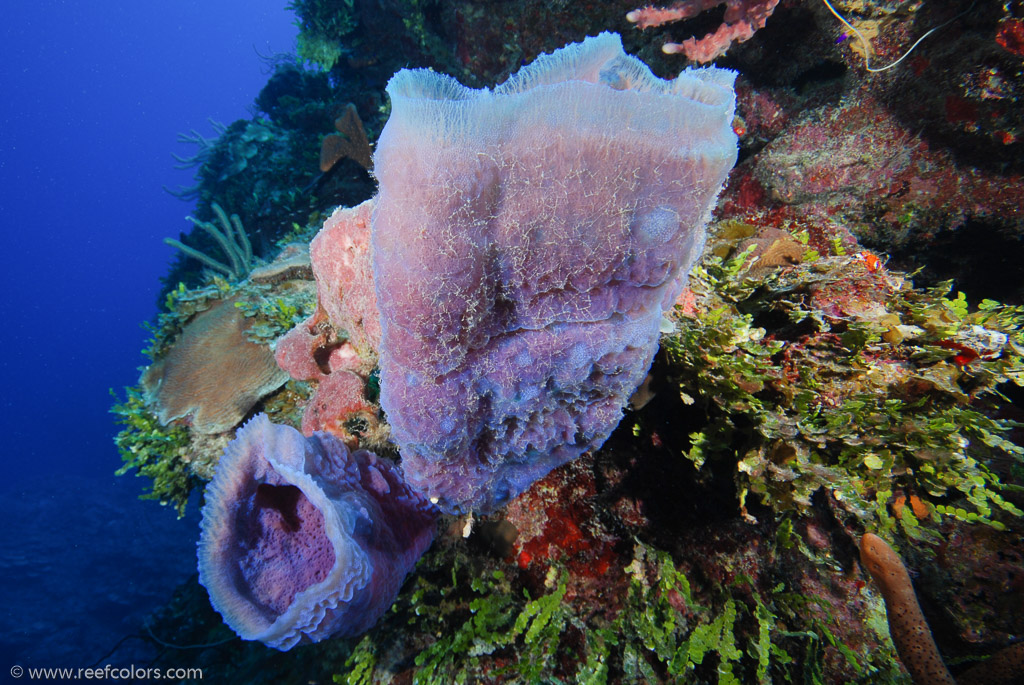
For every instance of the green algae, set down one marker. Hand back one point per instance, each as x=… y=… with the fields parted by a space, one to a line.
x=272 y=311
x=322 y=25
x=485 y=628
x=827 y=376
x=154 y=451
x=491 y=629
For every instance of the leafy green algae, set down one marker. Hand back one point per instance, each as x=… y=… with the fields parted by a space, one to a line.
x=322 y=25
x=829 y=376
x=154 y=451
x=489 y=631
x=477 y=628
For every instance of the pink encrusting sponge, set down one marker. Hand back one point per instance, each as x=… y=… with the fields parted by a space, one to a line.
x=303 y=539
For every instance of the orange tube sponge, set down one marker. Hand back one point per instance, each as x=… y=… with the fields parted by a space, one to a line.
x=909 y=630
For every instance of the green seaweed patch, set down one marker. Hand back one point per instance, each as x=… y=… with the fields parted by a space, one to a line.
x=154 y=451
x=737 y=635
x=322 y=26
x=497 y=621
x=804 y=631
x=274 y=311
x=469 y=625
x=664 y=634
x=459 y=620
x=836 y=375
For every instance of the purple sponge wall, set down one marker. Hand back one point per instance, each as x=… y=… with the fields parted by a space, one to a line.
x=526 y=241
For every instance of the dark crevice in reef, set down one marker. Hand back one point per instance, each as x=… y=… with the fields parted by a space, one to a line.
x=823 y=72
x=673 y=494
x=980 y=259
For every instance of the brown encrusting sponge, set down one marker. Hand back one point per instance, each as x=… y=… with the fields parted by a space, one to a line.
x=909 y=630
x=213 y=375
x=1002 y=668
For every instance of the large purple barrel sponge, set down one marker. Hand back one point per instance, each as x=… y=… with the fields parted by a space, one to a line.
x=303 y=539
x=526 y=242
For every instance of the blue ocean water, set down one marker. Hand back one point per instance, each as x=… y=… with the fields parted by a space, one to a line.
x=93 y=98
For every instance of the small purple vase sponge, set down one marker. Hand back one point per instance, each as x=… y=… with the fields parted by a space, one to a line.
x=303 y=539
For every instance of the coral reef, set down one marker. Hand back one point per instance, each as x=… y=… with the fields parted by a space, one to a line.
x=337 y=346
x=742 y=19
x=910 y=631
x=267 y=168
x=213 y=375
x=232 y=241
x=526 y=285
x=322 y=24
x=808 y=391
x=842 y=375
x=350 y=141
x=1010 y=35
x=858 y=162
x=296 y=98
x=345 y=292
x=964 y=88
x=178 y=453
x=154 y=451
x=340 y=407
x=291 y=264
x=557 y=586
x=303 y=539
x=204 y=148
x=907 y=625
